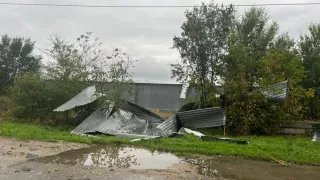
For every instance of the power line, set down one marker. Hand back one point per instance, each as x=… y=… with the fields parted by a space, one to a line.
x=150 y=6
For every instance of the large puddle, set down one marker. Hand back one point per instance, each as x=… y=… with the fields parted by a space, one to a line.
x=114 y=156
x=226 y=167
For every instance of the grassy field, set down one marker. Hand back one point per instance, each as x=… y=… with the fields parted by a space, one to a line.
x=286 y=148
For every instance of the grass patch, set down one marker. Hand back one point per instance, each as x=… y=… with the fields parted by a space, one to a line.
x=287 y=148
x=46 y=133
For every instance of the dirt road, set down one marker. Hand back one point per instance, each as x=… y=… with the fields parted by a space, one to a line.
x=35 y=160
x=15 y=151
x=15 y=164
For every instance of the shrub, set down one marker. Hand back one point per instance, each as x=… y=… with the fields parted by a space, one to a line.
x=36 y=98
x=5 y=106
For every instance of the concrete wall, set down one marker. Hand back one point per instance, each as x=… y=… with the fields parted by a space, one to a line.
x=295 y=129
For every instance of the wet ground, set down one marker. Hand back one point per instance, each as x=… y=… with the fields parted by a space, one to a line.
x=118 y=162
x=33 y=160
x=15 y=151
x=114 y=156
x=239 y=168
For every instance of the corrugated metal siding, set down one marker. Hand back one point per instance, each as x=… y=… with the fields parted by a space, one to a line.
x=277 y=92
x=160 y=96
x=84 y=97
x=148 y=95
x=130 y=119
x=202 y=118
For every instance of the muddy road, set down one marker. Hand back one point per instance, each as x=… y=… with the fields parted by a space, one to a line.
x=44 y=160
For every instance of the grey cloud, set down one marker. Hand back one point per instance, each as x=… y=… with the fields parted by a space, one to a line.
x=149 y=68
x=145 y=33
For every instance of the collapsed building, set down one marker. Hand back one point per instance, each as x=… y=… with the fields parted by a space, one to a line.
x=133 y=121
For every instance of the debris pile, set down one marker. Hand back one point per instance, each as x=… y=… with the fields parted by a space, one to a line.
x=133 y=121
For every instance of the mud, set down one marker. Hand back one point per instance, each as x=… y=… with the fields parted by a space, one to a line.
x=67 y=161
x=14 y=151
x=42 y=171
x=226 y=167
x=24 y=162
x=239 y=168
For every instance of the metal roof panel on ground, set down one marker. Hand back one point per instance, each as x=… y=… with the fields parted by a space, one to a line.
x=84 y=97
x=202 y=118
x=128 y=120
x=169 y=126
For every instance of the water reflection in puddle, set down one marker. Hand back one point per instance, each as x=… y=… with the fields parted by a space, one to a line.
x=114 y=156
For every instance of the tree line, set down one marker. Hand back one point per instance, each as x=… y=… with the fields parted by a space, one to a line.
x=32 y=89
x=241 y=52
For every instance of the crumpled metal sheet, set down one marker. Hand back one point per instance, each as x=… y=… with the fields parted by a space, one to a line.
x=277 y=92
x=130 y=120
x=227 y=140
x=189 y=131
x=84 y=97
x=169 y=126
x=202 y=118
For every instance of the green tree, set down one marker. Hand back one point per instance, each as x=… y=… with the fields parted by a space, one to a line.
x=74 y=62
x=278 y=66
x=202 y=46
x=309 y=47
x=118 y=77
x=310 y=53
x=254 y=35
x=84 y=63
x=258 y=58
x=16 y=57
x=73 y=67
x=64 y=69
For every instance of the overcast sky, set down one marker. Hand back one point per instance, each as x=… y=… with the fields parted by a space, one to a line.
x=145 y=33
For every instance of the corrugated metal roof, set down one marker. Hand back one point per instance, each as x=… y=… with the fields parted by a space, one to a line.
x=84 y=97
x=277 y=92
x=128 y=120
x=169 y=126
x=202 y=118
